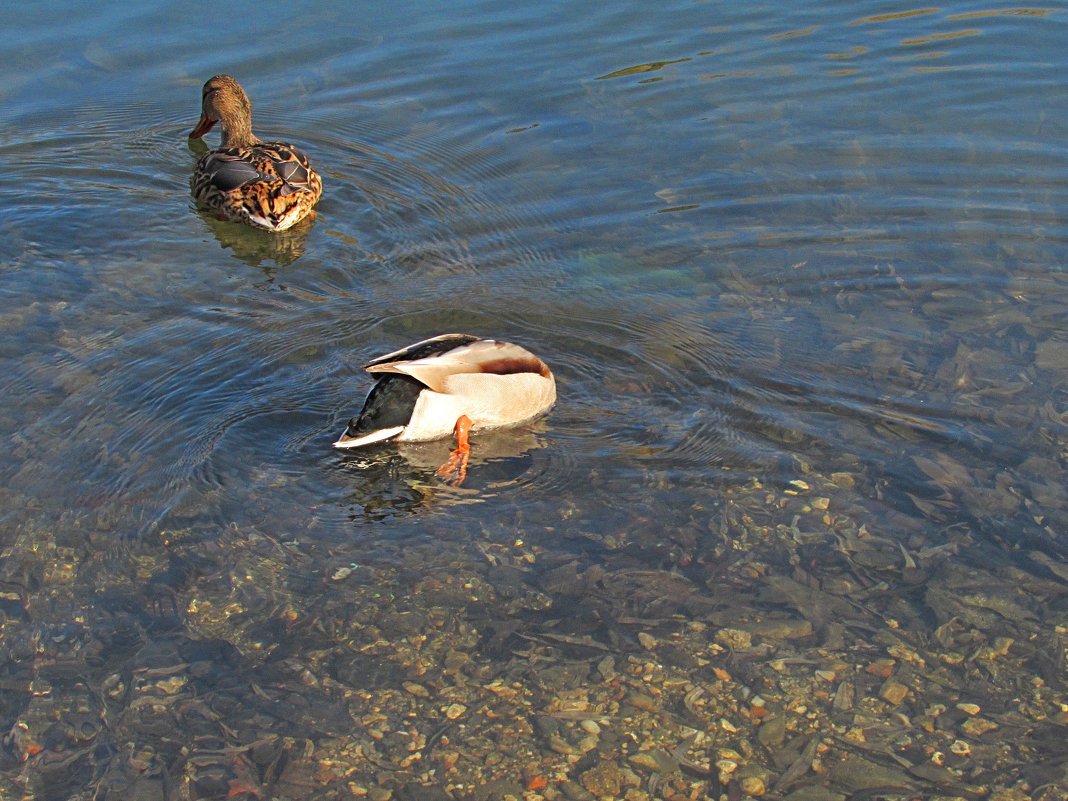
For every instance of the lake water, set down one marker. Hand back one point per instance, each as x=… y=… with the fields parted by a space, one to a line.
x=799 y=269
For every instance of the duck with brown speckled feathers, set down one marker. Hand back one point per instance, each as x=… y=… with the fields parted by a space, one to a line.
x=269 y=185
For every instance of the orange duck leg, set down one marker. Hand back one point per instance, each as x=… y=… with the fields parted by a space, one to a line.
x=454 y=471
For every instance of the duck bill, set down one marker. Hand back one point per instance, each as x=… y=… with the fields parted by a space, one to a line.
x=203 y=127
x=375 y=436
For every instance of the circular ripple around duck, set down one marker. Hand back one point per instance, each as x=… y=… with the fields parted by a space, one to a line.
x=406 y=197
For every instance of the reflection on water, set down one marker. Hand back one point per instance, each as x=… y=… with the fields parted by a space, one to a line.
x=796 y=521
x=503 y=467
x=260 y=248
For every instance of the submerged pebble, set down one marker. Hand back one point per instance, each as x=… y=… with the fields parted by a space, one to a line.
x=794 y=684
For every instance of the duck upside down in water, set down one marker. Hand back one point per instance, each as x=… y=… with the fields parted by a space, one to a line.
x=265 y=184
x=447 y=385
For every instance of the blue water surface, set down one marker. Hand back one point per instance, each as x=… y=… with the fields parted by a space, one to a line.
x=759 y=242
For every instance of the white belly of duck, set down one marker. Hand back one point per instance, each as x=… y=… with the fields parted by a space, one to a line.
x=490 y=401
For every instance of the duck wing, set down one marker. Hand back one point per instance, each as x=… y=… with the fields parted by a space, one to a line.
x=230 y=168
x=433 y=361
x=227 y=172
x=295 y=176
x=422 y=350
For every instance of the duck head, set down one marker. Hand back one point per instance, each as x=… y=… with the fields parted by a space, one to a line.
x=223 y=100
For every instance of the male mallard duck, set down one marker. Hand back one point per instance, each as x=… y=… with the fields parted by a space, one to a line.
x=266 y=184
x=450 y=384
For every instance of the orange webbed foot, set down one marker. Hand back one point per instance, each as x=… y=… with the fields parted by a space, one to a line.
x=454 y=471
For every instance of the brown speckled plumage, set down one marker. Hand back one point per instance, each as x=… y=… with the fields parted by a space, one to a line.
x=269 y=185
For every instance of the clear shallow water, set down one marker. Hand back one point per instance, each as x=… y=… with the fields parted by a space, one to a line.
x=750 y=240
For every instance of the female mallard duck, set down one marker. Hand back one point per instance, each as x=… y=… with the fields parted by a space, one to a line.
x=266 y=184
x=450 y=383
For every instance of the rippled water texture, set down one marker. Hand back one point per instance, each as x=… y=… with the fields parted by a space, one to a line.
x=756 y=243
